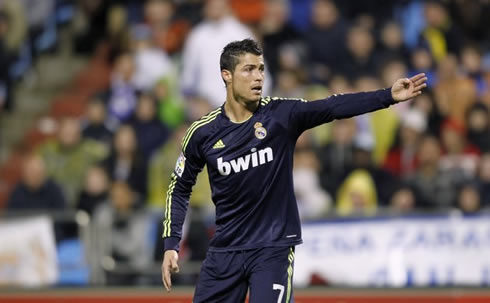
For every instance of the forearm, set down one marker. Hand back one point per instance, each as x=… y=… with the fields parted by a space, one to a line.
x=349 y=105
x=175 y=210
x=310 y=114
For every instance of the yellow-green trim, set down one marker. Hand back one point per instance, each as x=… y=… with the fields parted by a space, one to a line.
x=168 y=207
x=267 y=100
x=203 y=121
x=290 y=274
x=197 y=122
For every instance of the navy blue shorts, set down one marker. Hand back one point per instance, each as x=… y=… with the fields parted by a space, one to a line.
x=227 y=276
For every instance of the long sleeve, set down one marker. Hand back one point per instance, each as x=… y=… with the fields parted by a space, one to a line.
x=305 y=115
x=188 y=166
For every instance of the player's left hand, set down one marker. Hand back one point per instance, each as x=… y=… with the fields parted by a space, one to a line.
x=169 y=266
x=408 y=88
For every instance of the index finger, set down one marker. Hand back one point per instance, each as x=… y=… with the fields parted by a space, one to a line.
x=417 y=77
x=167 y=281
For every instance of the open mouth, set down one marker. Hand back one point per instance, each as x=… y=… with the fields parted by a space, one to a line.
x=257 y=89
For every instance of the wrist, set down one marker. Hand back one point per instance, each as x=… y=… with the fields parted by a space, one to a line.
x=171 y=243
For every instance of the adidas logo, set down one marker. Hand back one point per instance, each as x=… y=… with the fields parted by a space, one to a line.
x=218 y=144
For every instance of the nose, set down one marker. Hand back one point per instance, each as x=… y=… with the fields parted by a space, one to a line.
x=259 y=75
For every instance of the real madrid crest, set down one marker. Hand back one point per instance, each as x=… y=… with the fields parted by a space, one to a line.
x=260 y=131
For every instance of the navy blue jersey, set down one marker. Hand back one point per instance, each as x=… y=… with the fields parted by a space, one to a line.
x=250 y=168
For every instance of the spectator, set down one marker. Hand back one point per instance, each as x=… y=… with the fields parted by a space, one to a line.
x=117 y=31
x=119 y=234
x=325 y=40
x=122 y=94
x=469 y=199
x=69 y=156
x=391 y=43
x=150 y=132
x=151 y=63
x=362 y=159
x=170 y=106
x=441 y=35
x=339 y=84
x=36 y=191
x=336 y=157
x=168 y=30
x=454 y=93
x=276 y=32
x=458 y=154
x=421 y=61
x=95 y=190
x=471 y=17
x=38 y=14
x=289 y=84
x=478 y=125
x=17 y=27
x=471 y=61
x=200 y=77
x=425 y=103
x=125 y=162
x=436 y=189
x=361 y=57
x=357 y=195
x=484 y=180
x=90 y=17
x=401 y=160
x=403 y=200
x=313 y=201
x=391 y=70
x=96 y=125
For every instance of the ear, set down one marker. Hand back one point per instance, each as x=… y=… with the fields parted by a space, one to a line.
x=227 y=76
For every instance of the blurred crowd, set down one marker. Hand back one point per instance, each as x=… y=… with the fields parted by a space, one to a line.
x=114 y=162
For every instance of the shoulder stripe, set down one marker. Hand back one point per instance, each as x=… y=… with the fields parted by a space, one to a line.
x=267 y=100
x=205 y=120
x=197 y=122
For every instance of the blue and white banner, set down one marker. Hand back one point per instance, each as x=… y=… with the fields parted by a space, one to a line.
x=398 y=252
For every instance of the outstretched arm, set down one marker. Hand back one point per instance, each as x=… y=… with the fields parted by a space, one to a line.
x=408 y=88
x=305 y=115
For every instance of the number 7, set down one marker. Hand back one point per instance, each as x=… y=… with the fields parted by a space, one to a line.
x=281 y=291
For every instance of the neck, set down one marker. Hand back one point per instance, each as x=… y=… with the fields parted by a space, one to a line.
x=239 y=110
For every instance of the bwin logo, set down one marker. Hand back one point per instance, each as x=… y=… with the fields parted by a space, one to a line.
x=239 y=164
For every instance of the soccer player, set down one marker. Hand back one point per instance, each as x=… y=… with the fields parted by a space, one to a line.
x=248 y=145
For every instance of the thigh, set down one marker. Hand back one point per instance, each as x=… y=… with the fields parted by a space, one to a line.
x=271 y=276
x=221 y=279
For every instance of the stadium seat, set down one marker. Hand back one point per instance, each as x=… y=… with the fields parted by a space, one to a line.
x=72 y=266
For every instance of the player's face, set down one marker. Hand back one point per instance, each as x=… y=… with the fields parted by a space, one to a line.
x=248 y=78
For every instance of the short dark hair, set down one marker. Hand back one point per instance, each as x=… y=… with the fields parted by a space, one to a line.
x=231 y=52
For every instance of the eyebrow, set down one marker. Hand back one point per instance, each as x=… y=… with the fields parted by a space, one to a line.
x=254 y=65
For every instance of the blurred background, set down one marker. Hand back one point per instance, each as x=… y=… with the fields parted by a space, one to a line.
x=95 y=97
